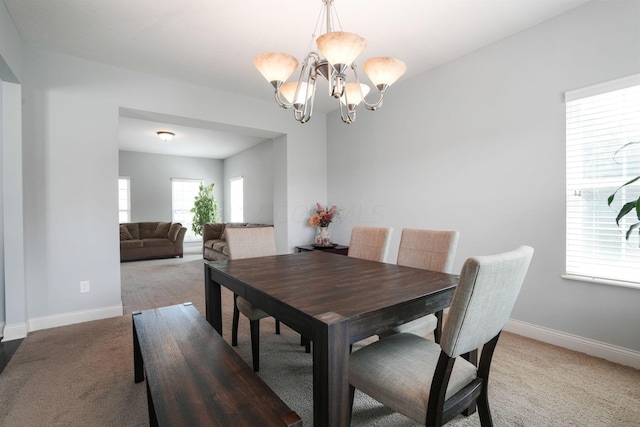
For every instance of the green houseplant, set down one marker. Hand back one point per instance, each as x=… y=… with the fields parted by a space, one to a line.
x=205 y=209
x=632 y=206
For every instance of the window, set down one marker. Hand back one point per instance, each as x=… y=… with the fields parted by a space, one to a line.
x=183 y=194
x=237 y=199
x=600 y=120
x=124 y=199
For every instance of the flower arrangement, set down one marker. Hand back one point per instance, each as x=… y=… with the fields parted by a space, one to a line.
x=323 y=216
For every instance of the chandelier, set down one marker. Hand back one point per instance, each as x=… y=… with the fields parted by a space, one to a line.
x=339 y=50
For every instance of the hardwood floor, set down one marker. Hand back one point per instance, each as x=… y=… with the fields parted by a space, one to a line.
x=7 y=350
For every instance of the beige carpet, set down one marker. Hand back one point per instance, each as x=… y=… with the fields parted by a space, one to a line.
x=82 y=375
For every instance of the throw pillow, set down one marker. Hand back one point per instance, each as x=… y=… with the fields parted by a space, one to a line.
x=173 y=231
x=124 y=233
x=162 y=230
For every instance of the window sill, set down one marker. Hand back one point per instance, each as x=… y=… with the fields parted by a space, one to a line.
x=621 y=283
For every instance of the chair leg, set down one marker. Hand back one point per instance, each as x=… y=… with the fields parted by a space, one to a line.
x=236 y=320
x=277 y=327
x=255 y=344
x=437 y=333
x=471 y=357
x=352 y=392
x=484 y=411
x=307 y=345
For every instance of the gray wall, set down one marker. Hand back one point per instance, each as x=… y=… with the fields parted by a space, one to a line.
x=478 y=145
x=256 y=166
x=150 y=178
x=72 y=105
x=12 y=269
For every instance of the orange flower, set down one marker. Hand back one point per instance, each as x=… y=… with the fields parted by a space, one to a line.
x=323 y=216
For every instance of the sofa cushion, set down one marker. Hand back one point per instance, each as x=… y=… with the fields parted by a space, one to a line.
x=162 y=230
x=147 y=229
x=220 y=246
x=133 y=228
x=173 y=231
x=155 y=242
x=211 y=243
x=124 y=233
x=128 y=244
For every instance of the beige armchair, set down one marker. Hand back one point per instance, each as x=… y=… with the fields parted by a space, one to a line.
x=371 y=243
x=433 y=383
x=250 y=243
x=429 y=250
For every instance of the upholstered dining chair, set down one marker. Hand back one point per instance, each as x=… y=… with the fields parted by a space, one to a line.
x=370 y=243
x=433 y=383
x=429 y=250
x=250 y=243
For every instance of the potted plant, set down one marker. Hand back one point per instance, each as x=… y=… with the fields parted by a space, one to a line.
x=630 y=207
x=205 y=209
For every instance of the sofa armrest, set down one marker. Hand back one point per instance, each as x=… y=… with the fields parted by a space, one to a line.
x=180 y=237
x=176 y=232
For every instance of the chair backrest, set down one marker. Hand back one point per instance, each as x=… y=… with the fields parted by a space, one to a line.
x=250 y=242
x=428 y=249
x=371 y=243
x=483 y=300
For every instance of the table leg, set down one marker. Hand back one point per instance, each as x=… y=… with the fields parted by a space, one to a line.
x=138 y=364
x=330 y=371
x=212 y=300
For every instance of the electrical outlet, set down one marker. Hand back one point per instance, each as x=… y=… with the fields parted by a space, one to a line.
x=84 y=286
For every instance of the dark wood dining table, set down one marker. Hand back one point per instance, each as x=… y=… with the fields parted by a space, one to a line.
x=333 y=300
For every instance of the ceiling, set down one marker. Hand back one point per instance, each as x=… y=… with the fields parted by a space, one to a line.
x=213 y=43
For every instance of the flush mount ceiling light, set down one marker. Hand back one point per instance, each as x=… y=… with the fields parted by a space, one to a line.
x=339 y=49
x=166 y=135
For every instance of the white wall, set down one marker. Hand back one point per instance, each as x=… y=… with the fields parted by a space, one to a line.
x=256 y=166
x=12 y=268
x=71 y=165
x=478 y=146
x=150 y=178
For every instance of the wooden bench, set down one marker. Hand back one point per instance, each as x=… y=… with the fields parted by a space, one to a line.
x=195 y=378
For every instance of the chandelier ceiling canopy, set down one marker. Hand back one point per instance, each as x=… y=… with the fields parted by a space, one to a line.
x=337 y=52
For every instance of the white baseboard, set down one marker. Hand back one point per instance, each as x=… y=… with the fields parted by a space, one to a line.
x=14 y=332
x=73 y=317
x=613 y=353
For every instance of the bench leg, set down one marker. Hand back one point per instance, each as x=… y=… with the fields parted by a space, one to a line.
x=255 y=344
x=277 y=327
x=236 y=320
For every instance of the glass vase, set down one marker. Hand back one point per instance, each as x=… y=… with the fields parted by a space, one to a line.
x=323 y=237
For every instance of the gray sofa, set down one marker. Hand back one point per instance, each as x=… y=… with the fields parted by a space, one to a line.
x=149 y=240
x=214 y=244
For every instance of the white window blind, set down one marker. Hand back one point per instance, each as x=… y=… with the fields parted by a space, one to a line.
x=600 y=121
x=124 y=199
x=237 y=199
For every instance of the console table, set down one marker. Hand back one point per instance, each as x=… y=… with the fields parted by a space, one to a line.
x=339 y=249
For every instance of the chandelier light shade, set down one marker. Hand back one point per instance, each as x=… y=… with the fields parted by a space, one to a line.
x=337 y=53
x=275 y=66
x=288 y=91
x=340 y=47
x=355 y=93
x=165 y=135
x=384 y=71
